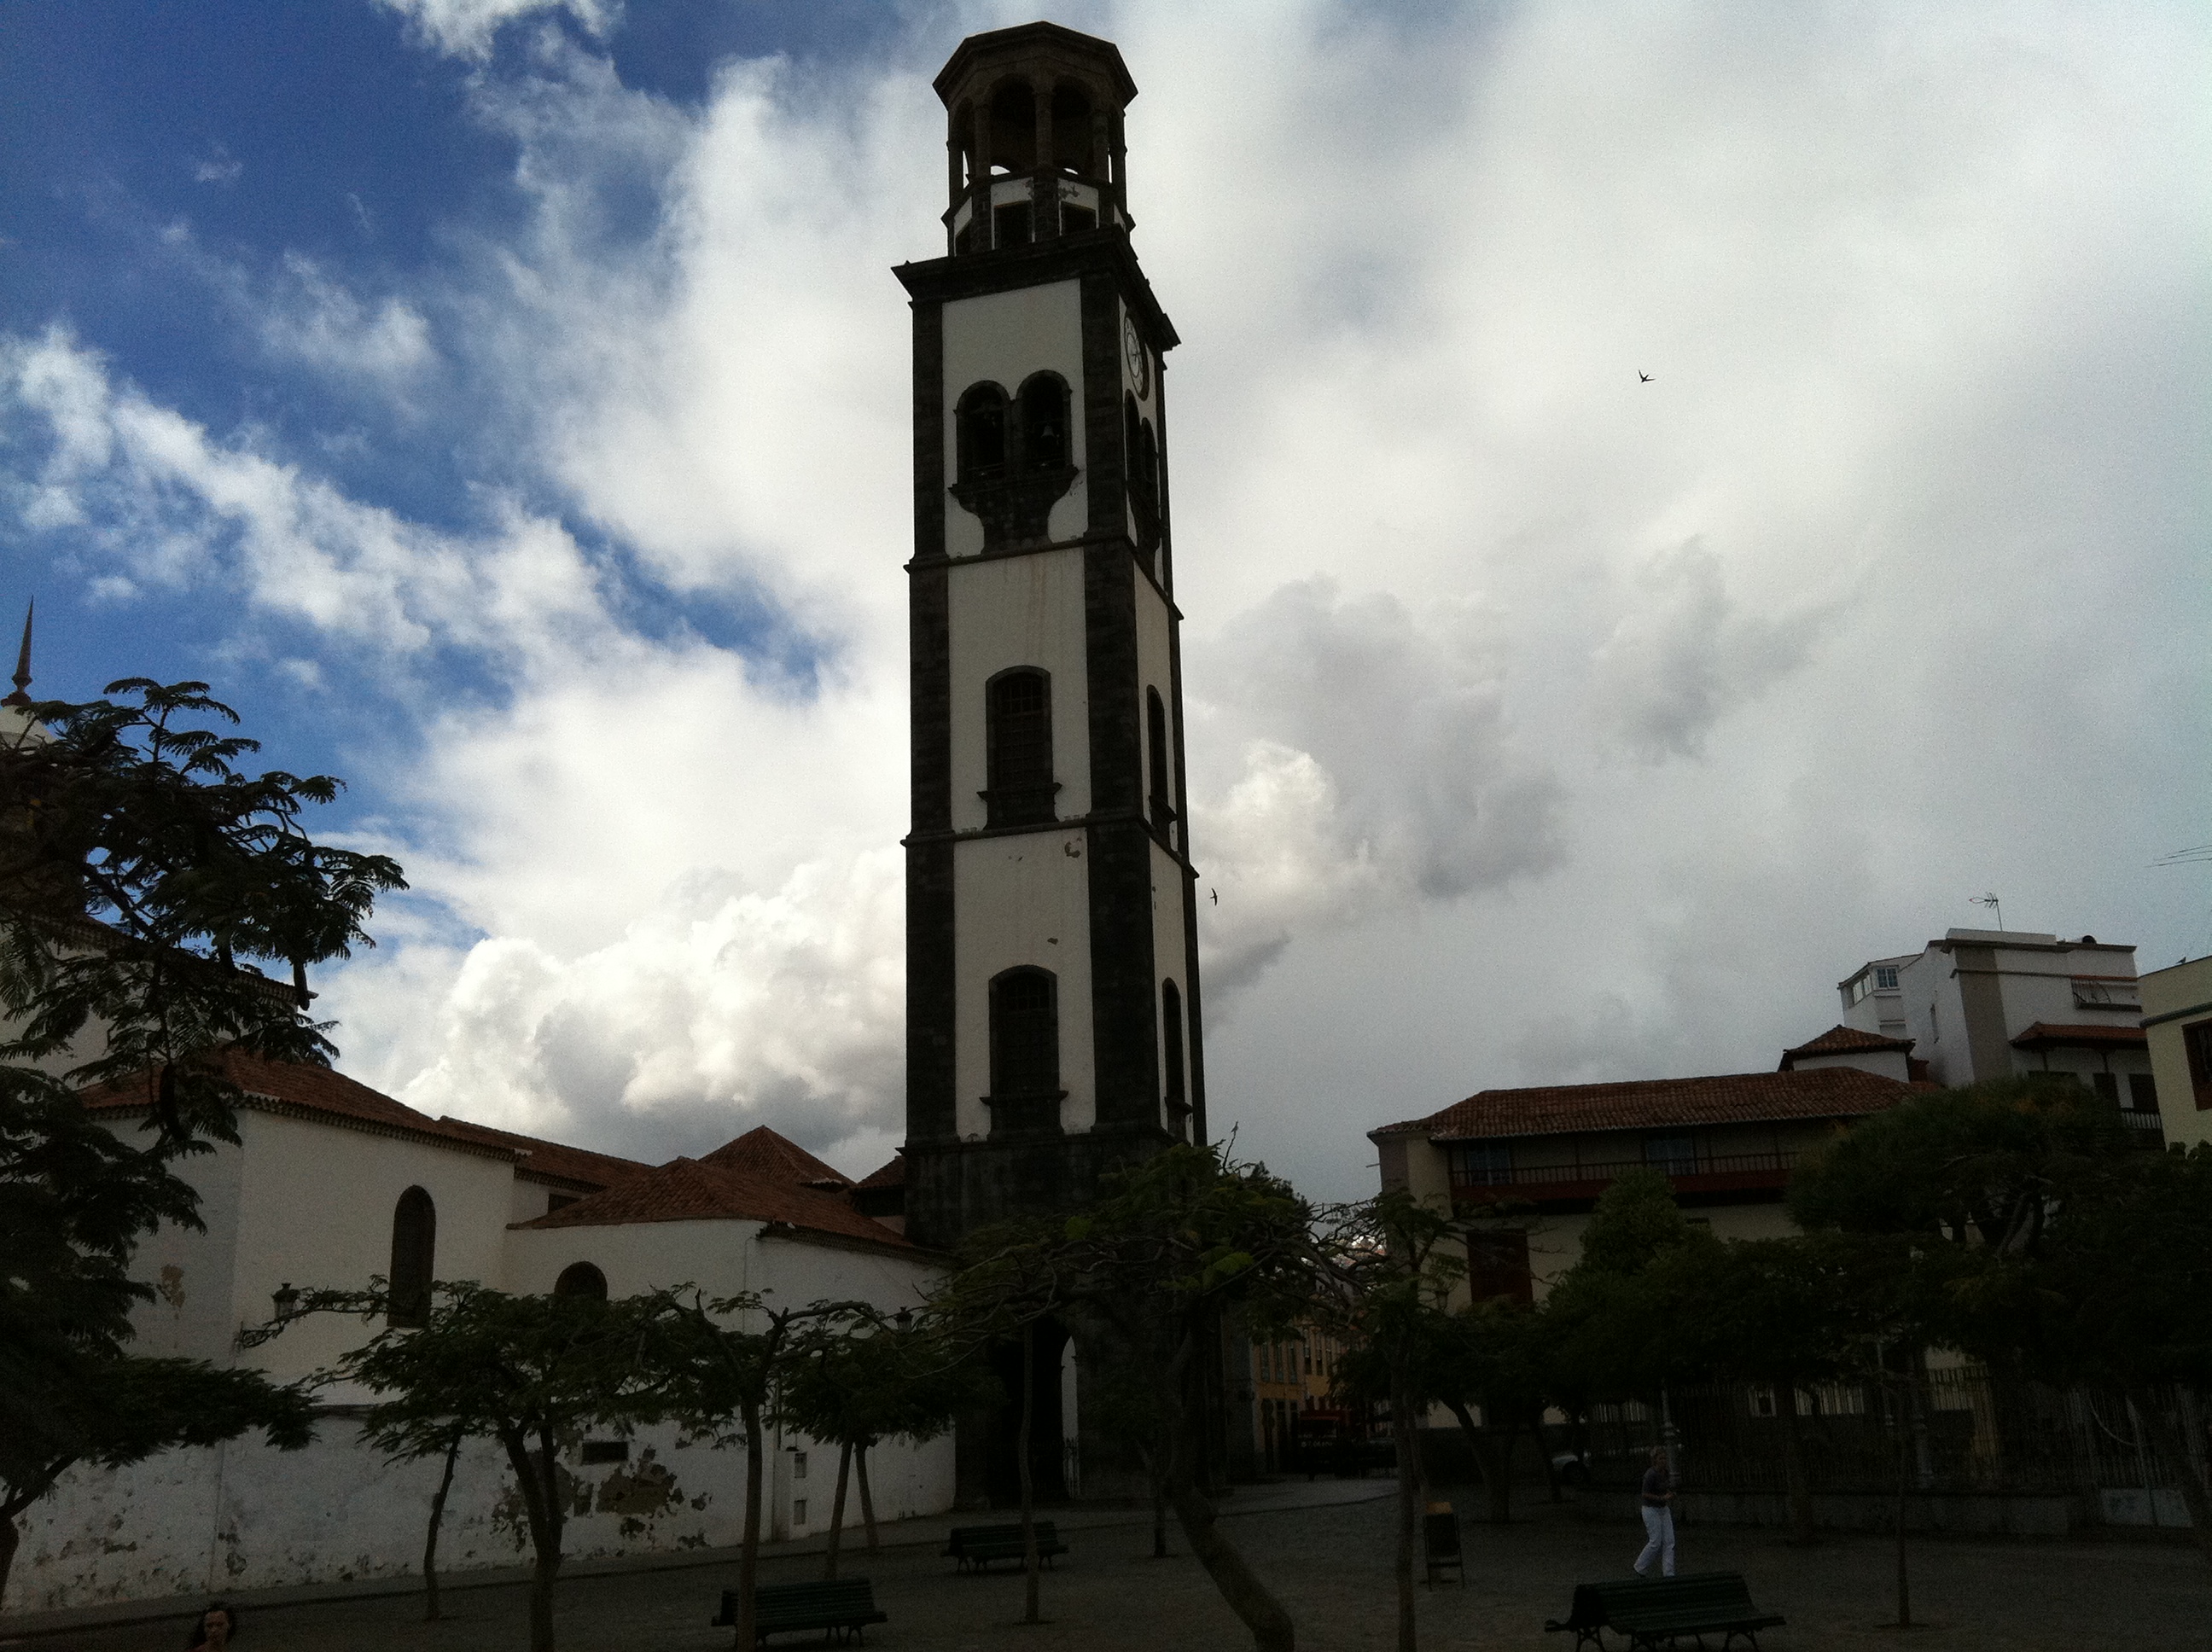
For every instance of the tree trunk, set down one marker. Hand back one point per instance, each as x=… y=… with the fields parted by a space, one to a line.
x=1246 y=1596
x=2170 y=1442
x=1409 y=1471
x=1544 y=1456
x=1493 y=1460
x=1029 y=1562
x=837 y=1509
x=430 y=1614
x=867 y=1497
x=9 y=1539
x=535 y=1481
x=1797 y=1487
x=1904 y=1481
x=748 y=1554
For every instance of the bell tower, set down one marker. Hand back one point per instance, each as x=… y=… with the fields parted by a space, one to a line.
x=1051 y=950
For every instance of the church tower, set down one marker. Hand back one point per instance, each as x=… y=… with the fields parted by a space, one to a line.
x=1051 y=943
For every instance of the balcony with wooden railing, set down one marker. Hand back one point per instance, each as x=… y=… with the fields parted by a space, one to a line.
x=1712 y=1176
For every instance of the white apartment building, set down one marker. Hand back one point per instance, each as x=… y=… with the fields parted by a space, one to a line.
x=1991 y=1002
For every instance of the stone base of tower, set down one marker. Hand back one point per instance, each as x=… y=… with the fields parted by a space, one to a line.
x=954 y=1187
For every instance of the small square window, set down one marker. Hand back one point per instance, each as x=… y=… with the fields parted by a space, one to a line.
x=606 y=1451
x=1885 y=978
x=799 y=1464
x=2142 y=1092
x=799 y=1512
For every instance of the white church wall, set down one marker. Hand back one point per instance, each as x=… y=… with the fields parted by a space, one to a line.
x=1019 y=611
x=1004 y=337
x=316 y=1205
x=1022 y=900
x=192 y=1314
x=717 y=1257
x=240 y=1516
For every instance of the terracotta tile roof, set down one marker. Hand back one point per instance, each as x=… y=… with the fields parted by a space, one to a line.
x=1653 y=1104
x=298 y=1087
x=1843 y=1041
x=736 y=1190
x=761 y=1151
x=2046 y=1034
x=890 y=1175
x=552 y=1161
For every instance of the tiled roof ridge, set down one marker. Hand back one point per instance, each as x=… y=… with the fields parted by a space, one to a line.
x=697 y=1189
x=552 y=1161
x=305 y=1090
x=892 y=1174
x=2080 y=1032
x=1841 y=1040
x=1551 y=1109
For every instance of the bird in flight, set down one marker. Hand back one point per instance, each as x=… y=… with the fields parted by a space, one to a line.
x=1217 y=897
x=1642 y=377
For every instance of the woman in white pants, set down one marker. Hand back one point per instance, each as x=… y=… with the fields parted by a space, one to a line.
x=1658 y=1518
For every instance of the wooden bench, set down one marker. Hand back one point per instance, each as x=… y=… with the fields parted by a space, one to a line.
x=843 y=1606
x=976 y=1547
x=1653 y=1610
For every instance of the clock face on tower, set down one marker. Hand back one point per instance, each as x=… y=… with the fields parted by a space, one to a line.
x=1139 y=359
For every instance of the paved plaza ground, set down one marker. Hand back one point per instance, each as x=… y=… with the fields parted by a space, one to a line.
x=1331 y=1562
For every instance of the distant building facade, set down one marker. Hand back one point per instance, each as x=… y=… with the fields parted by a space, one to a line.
x=1983 y=1004
x=1530 y=1164
x=2177 y=1020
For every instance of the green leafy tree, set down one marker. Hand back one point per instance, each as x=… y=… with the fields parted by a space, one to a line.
x=1176 y=1242
x=529 y=1372
x=1496 y=1358
x=142 y=876
x=1387 y=1268
x=1606 y=1327
x=876 y=1382
x=719 y=1368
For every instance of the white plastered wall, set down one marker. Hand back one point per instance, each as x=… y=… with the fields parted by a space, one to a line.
x=316 y=1207
x=1005 y=337
x=1022 y=899
x=1009 y=612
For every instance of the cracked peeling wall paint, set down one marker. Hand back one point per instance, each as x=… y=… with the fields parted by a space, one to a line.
x=244 y=1517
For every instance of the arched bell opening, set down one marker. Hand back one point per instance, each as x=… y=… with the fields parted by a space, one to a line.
x=1013 y=128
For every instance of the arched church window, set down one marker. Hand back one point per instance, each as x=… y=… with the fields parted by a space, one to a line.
x=980 y=423
x=1171 y=1035
x=1044 y=422
x=1156 y=743
x=1017 y=741
x=414 y=1258
x=581 y=1279
x=1141 y=472
x=1024 y=1034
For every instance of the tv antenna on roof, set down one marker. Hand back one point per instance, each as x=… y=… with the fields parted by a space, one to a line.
x=1991 y=901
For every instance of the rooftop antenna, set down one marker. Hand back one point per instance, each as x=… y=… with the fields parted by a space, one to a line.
x=22 y=696
x=1991 y=901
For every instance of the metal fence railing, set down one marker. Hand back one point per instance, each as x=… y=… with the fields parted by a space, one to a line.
x=1958 y=1429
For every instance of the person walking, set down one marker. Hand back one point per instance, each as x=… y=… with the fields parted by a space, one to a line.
x=1658 y=1518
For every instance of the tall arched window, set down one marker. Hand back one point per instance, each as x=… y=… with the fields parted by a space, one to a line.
x=1044 y=422
x=1171 y=1038
x=581 y=1279
x=1140 y=468
x=414 y=1258
x=1018 y=742
x=1024 y=1035
x=1156 y=745
x=981 y=430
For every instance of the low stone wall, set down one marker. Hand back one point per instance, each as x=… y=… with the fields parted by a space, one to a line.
x=240 y=1516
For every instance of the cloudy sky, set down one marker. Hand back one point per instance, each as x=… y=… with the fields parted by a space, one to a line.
x=504 y=404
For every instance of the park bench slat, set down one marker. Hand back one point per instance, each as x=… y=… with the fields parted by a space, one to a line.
x=978 y=1545
x=1649 y=1609
x=844 y=1604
